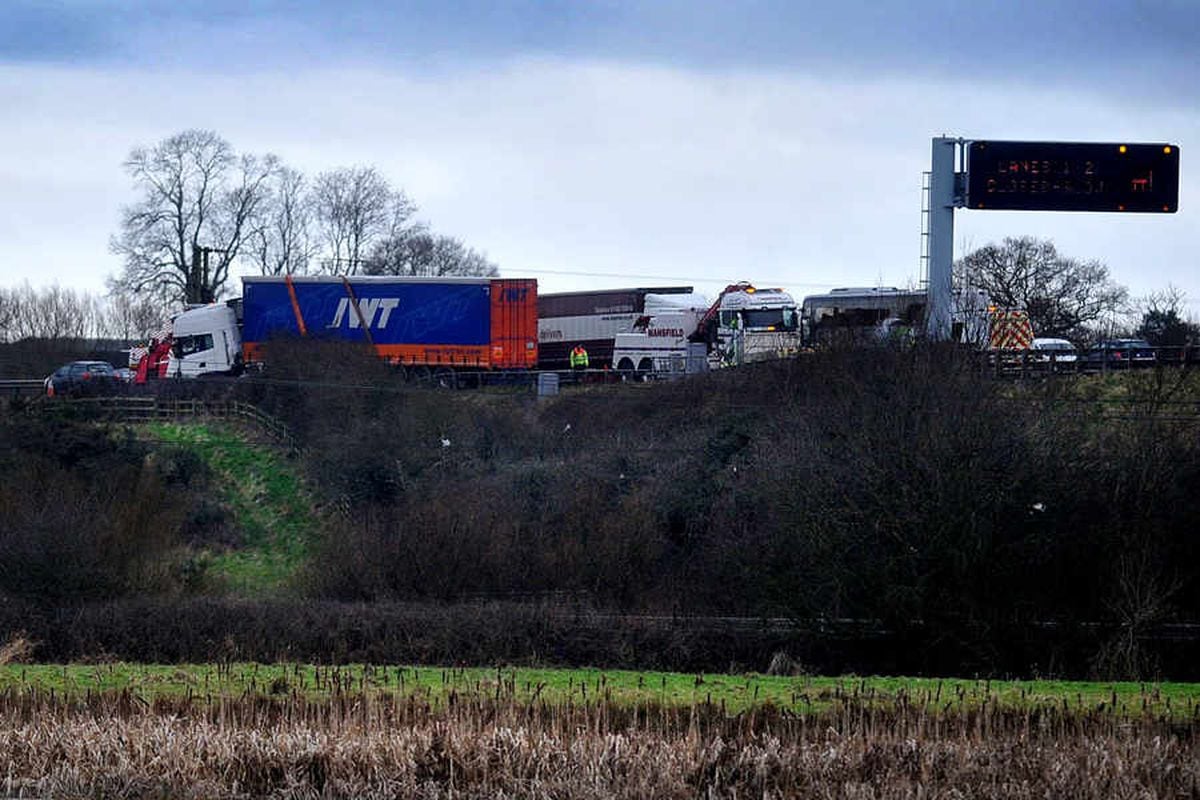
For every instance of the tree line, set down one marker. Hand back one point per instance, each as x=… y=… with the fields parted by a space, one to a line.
x=54 y=313
x=1065 y=297
x=1071 y=298
x=203 y=208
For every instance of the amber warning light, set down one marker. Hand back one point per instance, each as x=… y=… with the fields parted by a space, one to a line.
x=1073 y=176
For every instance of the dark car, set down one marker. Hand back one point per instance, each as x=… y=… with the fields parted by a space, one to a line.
x=83 y=378
x=1121 y=354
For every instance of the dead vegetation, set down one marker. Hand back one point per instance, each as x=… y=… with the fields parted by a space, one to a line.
x=17 y=650
x=118 y=745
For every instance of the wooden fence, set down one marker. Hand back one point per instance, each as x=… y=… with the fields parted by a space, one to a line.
x=155 y=409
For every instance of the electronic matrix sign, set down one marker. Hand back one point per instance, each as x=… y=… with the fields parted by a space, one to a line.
x=1073 y=176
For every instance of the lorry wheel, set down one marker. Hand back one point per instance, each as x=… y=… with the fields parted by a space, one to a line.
x=401 y=372
x=445 y=378
x=645 y=367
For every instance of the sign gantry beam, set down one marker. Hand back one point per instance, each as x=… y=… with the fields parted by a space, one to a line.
x=1036 y=176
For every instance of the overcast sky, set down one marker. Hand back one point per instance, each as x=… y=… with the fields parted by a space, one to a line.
x=603 y=144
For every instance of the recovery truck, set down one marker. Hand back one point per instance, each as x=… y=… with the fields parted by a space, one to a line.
x=686 y=333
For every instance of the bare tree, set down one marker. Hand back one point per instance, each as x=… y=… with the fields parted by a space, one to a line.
x=417 y=251
x=7 y=311
x=21 y=320
x=199 y=200
x=133 y=317
x=283 y=244
x=404 y=252
x=452 y=257
x=1062 y=295
x=52 y=313
x=1162 y=319
x=354 y=207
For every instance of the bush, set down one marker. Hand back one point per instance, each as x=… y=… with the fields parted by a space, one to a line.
x=191 y=630
x=890 y=484
x=82 y=514
x=962 y=516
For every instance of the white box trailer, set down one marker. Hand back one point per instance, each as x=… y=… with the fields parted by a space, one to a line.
x=593 y=319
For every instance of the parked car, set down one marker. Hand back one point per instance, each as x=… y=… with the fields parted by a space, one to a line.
x=1121 y=354
x=83 y=378
x=1058 y=351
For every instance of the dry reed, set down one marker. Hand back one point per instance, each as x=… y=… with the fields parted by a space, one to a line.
x=17 y=650
x=383 y=745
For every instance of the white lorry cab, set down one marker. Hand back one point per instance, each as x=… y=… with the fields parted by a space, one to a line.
x=686 y=333
x=754 y=325
x=206 y=340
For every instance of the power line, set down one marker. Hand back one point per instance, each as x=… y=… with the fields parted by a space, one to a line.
x=643 y=277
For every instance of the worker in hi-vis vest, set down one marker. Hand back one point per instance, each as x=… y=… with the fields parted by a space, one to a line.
x=579 y=357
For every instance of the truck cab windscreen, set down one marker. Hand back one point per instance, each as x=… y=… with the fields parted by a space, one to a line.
x=780 y=319
x=187 y=345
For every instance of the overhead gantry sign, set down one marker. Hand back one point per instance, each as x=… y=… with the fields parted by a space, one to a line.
x=1037 y=176
x=1073 y=176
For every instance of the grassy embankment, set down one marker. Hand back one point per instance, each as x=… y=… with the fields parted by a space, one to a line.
x=732 y=693
x=268 y=501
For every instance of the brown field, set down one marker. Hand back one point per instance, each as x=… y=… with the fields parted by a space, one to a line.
x=116 y=744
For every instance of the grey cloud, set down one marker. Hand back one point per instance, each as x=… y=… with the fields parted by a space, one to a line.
x=599 y=168
x=1139 y=49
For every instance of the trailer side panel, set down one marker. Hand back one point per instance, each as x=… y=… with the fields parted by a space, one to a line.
x=412 y=321
x=592 y=319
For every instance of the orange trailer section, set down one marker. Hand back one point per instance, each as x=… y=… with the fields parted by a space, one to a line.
x=514 y=324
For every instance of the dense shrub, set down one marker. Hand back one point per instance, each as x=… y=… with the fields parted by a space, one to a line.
x=190 y=630
x=897 y=485
x=85 y=512
x=976 y=522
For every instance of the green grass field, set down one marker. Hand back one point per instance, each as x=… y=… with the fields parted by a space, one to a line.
x=733 y=693
x=268 y=499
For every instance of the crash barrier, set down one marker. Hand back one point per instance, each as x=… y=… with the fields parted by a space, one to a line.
x=1032 y=363
x=539 y=379
x=158 y=409
x=25 y=387
x=1001 y=363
